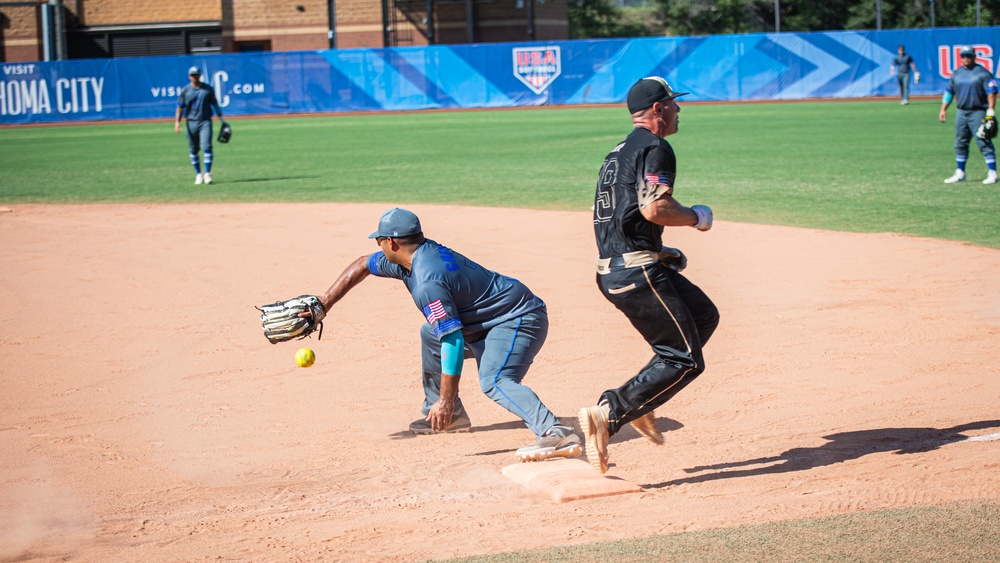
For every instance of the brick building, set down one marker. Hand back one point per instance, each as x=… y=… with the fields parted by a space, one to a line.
x=74 y=29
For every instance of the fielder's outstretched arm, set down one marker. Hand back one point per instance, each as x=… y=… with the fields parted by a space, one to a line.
x=352 y=276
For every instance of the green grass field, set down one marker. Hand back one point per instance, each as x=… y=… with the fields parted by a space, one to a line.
x=961 y=532
x=868 y=166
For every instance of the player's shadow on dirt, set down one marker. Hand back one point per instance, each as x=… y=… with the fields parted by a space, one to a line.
x=841 y=447
x=512 y=425
x=269 y=179
x=627 y=433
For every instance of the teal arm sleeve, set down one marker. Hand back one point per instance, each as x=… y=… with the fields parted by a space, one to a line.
x=452 y=353
x=947 y=98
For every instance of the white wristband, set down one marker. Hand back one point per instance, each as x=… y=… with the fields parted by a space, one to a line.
x=704 y=214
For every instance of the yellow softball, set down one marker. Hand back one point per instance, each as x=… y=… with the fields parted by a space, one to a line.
x=304 y=357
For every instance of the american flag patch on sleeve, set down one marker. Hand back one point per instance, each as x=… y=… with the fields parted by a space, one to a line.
x=434 y=311
x=657 y=179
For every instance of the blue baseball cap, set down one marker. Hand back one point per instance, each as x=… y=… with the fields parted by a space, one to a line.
x=397 y=222
x=967 y=51
x=194 y=70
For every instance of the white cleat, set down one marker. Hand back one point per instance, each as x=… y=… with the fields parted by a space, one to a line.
x=208 y=178
x=958 y=176
x=991 y=178
x=551 y=446
x=198 y=180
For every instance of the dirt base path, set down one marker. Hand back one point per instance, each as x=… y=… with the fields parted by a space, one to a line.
x=143 y=416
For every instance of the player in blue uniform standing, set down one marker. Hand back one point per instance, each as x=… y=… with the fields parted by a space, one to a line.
x=639 y=276
x=469 y=310
x=901 y=66
x=196 y=103
x=974 y=91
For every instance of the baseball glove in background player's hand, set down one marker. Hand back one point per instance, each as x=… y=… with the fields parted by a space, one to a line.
x=673 y=258
x=225 y=133
x=987 y=128
x=916 y=78
x=283 y=320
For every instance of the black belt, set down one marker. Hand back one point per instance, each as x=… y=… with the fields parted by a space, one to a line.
x=617 y=262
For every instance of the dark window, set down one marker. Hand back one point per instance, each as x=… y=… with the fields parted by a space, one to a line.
x=137 y=42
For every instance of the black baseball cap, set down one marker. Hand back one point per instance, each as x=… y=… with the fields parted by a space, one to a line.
x=647 y=91
x=397 y=222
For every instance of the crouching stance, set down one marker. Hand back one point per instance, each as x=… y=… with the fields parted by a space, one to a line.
x=470 y=312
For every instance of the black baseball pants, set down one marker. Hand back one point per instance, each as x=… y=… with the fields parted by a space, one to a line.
x=676 y=318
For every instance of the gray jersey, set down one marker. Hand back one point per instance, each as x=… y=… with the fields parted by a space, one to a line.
x=971 y=87
x=455 y=293
x=902 y=63
x=198 y=103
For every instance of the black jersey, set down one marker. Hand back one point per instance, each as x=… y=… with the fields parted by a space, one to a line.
x=637 y=172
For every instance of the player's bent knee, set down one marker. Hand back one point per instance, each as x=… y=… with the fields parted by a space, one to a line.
x=711 y=320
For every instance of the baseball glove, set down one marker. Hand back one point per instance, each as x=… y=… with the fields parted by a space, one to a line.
x=281 y=321
x=673 y=258
x=916 y=78
x=987 y=128
x=225 y=133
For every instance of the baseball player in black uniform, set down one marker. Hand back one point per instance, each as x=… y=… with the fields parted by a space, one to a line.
x=641 y=277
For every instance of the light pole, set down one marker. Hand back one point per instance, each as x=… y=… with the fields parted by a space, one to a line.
x=777 y=16
x=878 y=15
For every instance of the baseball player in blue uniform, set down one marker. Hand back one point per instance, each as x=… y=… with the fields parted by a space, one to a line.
x=470 y=312
x=639 y=276
x=974 y=91
x=196 y=103
x=901 y=66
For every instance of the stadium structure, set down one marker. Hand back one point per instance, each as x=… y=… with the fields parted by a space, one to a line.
x=85 y=29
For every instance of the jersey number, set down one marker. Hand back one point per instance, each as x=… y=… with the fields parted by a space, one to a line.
x=604 y=202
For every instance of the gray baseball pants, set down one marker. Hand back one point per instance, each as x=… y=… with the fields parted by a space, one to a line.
x=503 y=358
x=966 y=123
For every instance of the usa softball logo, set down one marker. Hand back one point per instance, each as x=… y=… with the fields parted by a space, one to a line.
x=537 y=67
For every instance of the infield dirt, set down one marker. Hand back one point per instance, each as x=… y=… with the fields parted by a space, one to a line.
x=144 y=417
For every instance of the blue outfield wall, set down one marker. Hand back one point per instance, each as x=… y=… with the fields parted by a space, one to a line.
x=766 y=66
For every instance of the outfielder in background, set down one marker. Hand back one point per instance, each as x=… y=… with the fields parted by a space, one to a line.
x=196 y=103
x=470 y=312
x=974 y=91
x=901 y=65
x=640 y=276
